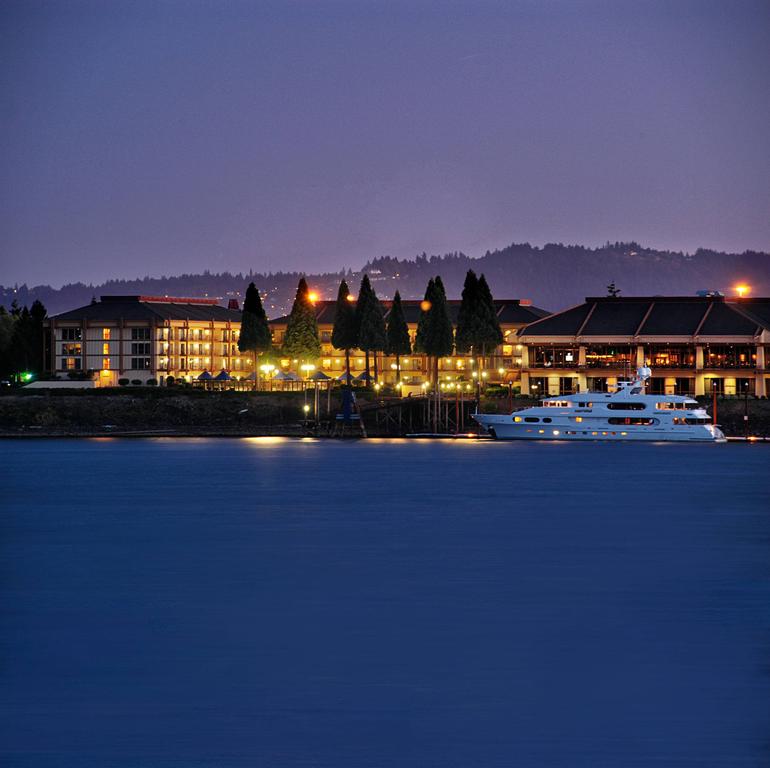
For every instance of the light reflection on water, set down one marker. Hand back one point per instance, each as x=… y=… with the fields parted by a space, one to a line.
x=272 y=601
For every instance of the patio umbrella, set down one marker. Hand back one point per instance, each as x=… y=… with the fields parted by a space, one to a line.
x=251 y=377
x=319 y=376
x=286 y=376
x=205 y=376
x=223 y=375
x=347 y=378
x=362 y=376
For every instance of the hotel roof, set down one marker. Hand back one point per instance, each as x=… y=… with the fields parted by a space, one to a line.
x=656 y=316
x=509 y=311
x=149 y=309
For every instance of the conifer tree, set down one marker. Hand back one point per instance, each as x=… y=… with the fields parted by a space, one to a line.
x=7 y=322
x=421 y=337
x=22 y=352
x=255 y=336
x=301 y=339
x=371 y=324
x=345 y=331
x=37 y=315
x=469 y=320
x=434 y=329
x=492 y=334
x=398 y=333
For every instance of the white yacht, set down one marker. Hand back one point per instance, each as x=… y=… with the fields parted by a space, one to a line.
x=628 y=413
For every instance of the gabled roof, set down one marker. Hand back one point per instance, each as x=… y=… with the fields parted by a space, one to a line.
x=623 y=318
x=724 y=320
x=757 y=310
x=509 y=311
x=149 y=309
x=656 y=316
x=565 y=323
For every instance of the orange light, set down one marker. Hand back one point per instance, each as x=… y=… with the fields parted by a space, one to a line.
x=351 y=297
x=742 y=290
x=425 y=305
x=313 y=296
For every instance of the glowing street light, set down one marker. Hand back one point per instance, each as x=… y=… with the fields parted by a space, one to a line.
x=313 y=297
x=742 y=290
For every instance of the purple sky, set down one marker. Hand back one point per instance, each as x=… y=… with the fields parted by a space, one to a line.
x=171 y=137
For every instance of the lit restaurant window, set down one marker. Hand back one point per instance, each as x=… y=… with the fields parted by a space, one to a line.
x=106 y=334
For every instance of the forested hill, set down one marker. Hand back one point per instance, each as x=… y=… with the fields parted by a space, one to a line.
x=554 y=276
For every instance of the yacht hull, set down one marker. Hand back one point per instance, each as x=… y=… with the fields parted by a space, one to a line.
x=503 y=428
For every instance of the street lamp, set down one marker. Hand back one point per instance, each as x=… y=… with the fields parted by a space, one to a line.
x=267 y=369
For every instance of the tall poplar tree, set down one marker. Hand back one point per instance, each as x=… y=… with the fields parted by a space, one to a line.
x=371 y=324
x=492 y=334
x=301 y=339
x=434 y=329
x=469 y=320
x=345 y=331
x=255 y=333
x=398 y=333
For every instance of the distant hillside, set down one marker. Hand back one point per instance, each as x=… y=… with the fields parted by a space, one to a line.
x=554 y=277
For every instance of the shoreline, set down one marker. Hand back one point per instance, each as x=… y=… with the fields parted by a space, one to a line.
x=277 y=414
x=282 y=431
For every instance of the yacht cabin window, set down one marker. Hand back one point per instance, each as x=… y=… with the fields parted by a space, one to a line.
x=626 y=406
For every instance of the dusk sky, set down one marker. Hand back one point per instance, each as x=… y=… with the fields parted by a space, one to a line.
x=166 y=137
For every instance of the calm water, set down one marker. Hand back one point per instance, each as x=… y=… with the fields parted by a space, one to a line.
x=190 y=603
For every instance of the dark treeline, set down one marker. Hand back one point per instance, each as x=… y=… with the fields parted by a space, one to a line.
x=554 y=276
x=22 y=340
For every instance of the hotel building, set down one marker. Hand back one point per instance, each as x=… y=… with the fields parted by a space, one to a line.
x=694 y=345
x=146 y=337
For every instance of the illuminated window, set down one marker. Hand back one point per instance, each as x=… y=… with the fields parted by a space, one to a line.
x=105 y=349
x=106 y=364
x=106 y=333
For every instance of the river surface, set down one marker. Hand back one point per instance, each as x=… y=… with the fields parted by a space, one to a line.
x=275 y=602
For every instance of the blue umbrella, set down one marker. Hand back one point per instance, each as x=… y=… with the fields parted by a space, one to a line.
x=205 y=376
x=223 y=375
x=286 y=376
